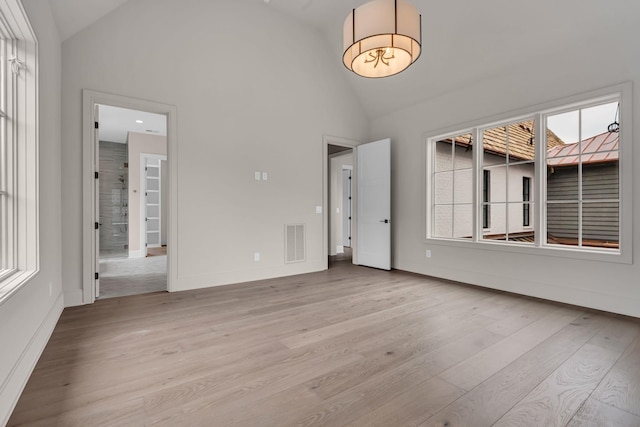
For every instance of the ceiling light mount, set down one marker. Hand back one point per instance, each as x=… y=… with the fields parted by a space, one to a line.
x=382 y=38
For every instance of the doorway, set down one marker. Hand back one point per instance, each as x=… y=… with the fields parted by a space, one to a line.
x=132 y=146
x=369 y=210
x=340 y=207
x=123 y=266
x=339 y=155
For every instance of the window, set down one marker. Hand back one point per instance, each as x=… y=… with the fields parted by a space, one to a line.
x=583 y=178
x=18 y=149
x=453 y=176
x=526 y=198
x=571 y=154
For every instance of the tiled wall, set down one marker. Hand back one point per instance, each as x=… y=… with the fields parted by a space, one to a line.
x=114 y=205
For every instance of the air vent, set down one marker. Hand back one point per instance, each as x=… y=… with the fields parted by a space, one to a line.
x=294 y=242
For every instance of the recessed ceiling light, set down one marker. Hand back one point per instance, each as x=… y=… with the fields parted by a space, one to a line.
x=139 y=121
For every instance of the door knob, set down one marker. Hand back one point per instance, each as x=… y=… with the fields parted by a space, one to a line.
x=386 y=221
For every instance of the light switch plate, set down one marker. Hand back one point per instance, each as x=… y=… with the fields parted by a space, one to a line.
x=318 y=209
x=257 y=175
x=265 y=176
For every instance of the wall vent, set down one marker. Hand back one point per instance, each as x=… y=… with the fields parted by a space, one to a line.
x=294 y=243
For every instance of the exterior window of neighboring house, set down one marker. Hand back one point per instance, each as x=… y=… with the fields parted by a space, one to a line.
x=481 y=183
x=18 y=149
x=486 y=208
x=526 y=198
x=583 y=179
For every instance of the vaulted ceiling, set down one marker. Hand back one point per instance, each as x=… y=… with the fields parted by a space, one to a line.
x=464 y=41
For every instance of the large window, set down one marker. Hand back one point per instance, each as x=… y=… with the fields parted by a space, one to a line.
x=18 y=149
x=483 y=184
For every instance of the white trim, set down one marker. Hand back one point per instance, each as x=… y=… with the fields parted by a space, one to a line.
x=623 y=92
x=21 y=219
x=89 y=99
x=136 y=254
x=16 y=380
x=343 y=142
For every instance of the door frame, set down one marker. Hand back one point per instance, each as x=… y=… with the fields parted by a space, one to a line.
x=89 y=143
x=347 y=212
x=342 y=142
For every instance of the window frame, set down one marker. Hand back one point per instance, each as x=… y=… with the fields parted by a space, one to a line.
x=622 y=93
x=526 y=199
x=19 y=176
x=486 y=199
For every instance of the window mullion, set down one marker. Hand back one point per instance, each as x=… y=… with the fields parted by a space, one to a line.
x=580 y=199
x=477 y=184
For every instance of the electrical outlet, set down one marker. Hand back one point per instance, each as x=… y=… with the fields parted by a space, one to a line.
x=428 y=253
x=256 y=256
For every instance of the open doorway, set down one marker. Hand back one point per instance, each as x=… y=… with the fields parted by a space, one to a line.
x=340 y=203
x=131 y=201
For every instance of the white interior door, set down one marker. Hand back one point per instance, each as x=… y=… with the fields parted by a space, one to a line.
x=153 y=193
x=374 y=204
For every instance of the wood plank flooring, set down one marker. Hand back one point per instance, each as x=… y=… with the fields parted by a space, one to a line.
x=350 y=346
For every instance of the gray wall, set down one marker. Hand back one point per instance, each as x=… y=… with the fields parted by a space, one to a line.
x=608 y=284
x=261 y=101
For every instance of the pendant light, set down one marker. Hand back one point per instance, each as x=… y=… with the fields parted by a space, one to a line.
x=382 y=38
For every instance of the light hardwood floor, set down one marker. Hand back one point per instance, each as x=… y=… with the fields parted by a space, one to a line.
x=350 y=346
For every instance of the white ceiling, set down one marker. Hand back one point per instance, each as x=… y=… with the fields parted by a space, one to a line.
x=464 y=41
x=116 y=123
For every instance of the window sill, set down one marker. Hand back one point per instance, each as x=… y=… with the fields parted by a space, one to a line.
x=587 y=254
x=13 y=283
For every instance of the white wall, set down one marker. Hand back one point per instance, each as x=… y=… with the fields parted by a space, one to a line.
x=28 y=317
x=138 y=143
x=336 y=208
x=564 y=71
x=254 y=91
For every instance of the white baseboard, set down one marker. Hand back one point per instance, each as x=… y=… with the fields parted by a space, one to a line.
x=136 y=254
x=221 y=278
x=73 y=298
x=15 y=382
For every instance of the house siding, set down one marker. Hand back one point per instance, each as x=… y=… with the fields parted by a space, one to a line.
x=600 y=219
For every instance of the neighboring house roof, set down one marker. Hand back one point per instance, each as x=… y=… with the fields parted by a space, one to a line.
x=520 y=140
x=601 y=148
